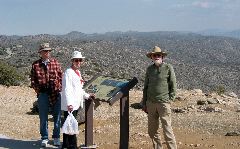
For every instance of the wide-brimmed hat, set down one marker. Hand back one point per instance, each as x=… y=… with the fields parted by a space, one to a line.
x=77 y=54
x=44 y=47
x=156 y=50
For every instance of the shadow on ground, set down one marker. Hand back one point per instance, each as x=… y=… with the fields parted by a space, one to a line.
x=22 y=144
x=136 y=105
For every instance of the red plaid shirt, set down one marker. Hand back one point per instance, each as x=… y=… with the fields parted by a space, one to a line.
x=47 y=78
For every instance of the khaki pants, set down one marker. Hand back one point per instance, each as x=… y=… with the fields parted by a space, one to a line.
x=162 y=111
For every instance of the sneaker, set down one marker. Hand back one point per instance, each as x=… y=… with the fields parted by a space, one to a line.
x=56 y=142
x=44 y=143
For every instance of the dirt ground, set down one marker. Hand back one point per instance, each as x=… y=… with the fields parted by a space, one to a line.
x=196 y=127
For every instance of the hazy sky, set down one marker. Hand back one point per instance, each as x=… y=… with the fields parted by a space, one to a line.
x=30 y=17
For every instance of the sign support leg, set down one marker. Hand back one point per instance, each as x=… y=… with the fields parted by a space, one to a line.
x=124 y=121
x=89 y=125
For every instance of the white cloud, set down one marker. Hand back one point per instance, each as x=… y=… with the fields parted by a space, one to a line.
x=179 y=5
x=216 y=3
x=201 y=4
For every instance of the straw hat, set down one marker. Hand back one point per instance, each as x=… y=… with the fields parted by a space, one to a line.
x=156 y=50
x=44 y=47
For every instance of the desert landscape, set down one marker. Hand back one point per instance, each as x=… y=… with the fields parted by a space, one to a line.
x=202 y=42
x=199 y=120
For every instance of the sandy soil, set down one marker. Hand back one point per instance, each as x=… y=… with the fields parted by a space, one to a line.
x=194 y=128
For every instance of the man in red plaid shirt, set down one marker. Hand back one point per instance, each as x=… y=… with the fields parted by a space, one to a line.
x=46 y=79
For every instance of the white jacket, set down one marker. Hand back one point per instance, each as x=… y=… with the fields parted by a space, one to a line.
x=72 y=92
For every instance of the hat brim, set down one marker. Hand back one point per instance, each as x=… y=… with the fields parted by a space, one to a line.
x=77 y=57
x=149 y=55
x=45 y=49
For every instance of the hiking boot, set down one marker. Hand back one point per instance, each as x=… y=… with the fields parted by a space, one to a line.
x=56 y=142
x=44 y=143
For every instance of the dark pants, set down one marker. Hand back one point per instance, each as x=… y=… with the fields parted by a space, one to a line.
x=69 y=141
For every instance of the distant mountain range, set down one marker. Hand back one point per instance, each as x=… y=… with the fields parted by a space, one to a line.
x=219 y=32
x=200 y=60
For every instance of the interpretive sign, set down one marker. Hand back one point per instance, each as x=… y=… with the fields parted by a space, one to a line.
x=104 y=87
x=109 y=90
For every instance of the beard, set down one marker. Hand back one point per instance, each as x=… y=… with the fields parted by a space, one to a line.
x=157 y=62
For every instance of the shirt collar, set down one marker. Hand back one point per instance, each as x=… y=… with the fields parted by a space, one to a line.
x=45 y=61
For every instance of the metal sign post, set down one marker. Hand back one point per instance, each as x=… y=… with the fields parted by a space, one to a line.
x=124 y=114
x=124 y=122
x=89 y=125
x=109 y=90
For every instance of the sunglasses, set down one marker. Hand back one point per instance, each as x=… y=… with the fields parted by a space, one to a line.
x=157 y=55
x=78 y=60
x=45 y=51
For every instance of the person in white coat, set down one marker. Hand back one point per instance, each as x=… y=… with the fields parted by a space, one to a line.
x=73 y=95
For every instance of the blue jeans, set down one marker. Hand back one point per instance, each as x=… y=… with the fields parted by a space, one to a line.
x=43 y=106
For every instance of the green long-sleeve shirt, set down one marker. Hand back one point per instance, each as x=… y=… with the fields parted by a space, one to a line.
x=160 y=84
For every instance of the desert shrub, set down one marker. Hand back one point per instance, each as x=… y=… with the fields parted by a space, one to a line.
x=9 y=75
x=220 y=89
x=2 y=51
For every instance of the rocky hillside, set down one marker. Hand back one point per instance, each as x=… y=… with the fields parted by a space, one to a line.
x=205 y=62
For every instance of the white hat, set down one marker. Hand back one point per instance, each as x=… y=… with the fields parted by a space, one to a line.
x=77 y=54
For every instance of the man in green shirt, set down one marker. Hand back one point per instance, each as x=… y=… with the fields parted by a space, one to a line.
x=159 y=90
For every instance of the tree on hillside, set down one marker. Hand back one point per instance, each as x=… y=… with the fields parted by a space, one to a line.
x=9 y=75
